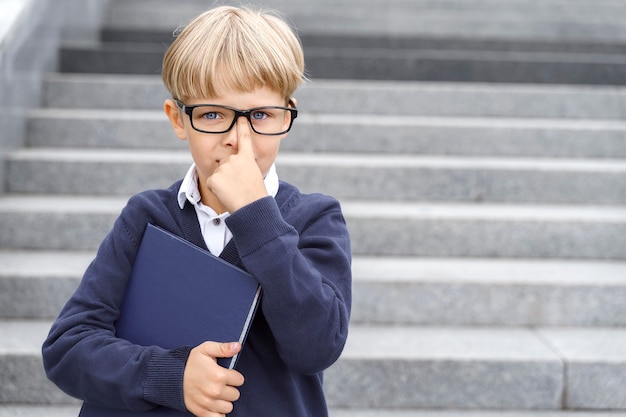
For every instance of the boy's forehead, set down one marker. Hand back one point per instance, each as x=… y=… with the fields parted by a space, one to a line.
x=255 y=97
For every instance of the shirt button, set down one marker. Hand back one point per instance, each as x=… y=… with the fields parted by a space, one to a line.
x=217 y=221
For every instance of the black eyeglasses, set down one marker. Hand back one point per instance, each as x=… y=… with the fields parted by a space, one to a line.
x=215 y=118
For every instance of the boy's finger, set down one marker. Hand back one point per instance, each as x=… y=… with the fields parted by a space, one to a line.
x=244 y=139
x=221 y=350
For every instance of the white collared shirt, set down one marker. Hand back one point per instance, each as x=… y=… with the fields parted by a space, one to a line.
x=212 y=225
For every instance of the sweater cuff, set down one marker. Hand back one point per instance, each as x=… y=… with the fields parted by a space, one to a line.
x=164 y=379
x=256 y=224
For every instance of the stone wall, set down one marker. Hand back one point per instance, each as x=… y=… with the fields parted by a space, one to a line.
x=31 y=32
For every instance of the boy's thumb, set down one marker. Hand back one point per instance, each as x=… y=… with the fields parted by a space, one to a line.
x=221 y=350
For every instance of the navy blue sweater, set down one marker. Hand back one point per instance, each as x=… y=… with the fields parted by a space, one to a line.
x=298 y=248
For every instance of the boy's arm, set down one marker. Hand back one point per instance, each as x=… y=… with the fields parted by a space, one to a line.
x=305 y=273
x=82 y=354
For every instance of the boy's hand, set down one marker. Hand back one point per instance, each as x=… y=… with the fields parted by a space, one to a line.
x=238 y=181
x=208 y=388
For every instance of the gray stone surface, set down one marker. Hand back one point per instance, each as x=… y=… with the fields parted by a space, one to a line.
x=488 y=292
x=30 y=33
x=401 y=228
x=596 y=365
x=404 y=367
x=37 y=284
x=435 y=135
x=78 y=91
x=39 y=410
x=66 y=223
x=23 y=379
x=390 y=177
x=487 y=230
x=368 y=63
x=389 y=412
x=72 y=411
x=518 y=26
x=418 y=178
x=463 y=99
x=518 y=19
x=97 y=172
x=429 y=65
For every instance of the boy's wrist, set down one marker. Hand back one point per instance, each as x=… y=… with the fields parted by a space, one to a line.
x=166 y=366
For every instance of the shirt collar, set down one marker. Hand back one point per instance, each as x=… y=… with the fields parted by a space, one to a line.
x=189 y=191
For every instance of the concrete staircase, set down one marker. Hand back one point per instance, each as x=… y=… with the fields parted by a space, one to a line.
x=488 y=218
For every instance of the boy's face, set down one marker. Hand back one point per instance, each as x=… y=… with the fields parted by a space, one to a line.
x=209 y=150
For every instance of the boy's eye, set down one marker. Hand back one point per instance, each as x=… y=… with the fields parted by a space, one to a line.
x=211 y=115
x=259 y=115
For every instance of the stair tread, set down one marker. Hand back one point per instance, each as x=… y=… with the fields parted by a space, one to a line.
x=485 y=271
x=372 y=86
x=486 y=343
x=355 y=208
x=488 y=271
x=380 y=52
x=408 y=120
x=81 y=155
x=436 y=343
x=81 y=91
x=49 y=264
x=48 y=410
x=23 y=336
x=22 y=410
x=470 y=413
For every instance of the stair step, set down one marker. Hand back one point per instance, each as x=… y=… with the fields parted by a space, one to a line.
x=80 y=91
x=21 y=410
x=596 y=364
x=450 y=291
x=544 y=21
x=23 y=379
x=471 y=136
x=402 y=228
x=72 y=411
x=111 y=34
x=496 y=292
x=484 y=230
x=56 y=222
x=95 y=171
x=433 y=367
x=437 y=65
x=383 y=64
x=466 y=413
x=391 y=177
x=36 y=284
x=480 y=368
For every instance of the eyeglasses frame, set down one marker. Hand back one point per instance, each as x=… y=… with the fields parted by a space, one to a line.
x=239 y=113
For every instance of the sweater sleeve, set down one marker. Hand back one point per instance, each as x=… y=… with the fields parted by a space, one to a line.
x=302 y=259
x=83 y=356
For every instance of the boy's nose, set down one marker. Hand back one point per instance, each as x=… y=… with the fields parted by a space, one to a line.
x=233 y=134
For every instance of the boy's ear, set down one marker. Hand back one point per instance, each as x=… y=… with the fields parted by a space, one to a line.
x=293 y=101
x=175 y=117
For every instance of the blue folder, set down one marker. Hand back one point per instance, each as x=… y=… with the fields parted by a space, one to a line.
x=181 y=295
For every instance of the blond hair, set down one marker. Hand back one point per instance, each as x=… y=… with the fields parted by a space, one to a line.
x=233 y=48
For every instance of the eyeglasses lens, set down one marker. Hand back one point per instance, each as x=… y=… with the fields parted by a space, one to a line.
x=264 y=120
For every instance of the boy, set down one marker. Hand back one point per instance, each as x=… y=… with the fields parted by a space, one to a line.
x=231 y=73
